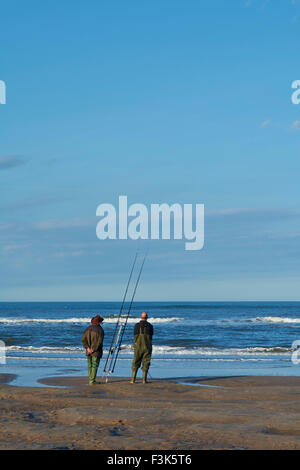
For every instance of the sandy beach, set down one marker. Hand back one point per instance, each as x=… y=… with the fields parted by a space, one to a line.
x=227 y=413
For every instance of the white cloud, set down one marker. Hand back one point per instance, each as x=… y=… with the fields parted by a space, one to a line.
x=13 y=247
x=58 y=224
x=277 y=211
x=7 y=162
x=5 y=226
x=265 y=123
x=64 y=254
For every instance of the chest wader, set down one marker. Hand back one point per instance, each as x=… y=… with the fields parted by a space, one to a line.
x=142 y=355
x=93 y=364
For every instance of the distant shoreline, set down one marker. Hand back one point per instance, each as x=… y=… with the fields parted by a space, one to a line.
x=151 y=301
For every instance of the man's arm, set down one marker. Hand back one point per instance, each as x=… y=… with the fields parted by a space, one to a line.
x=84 y=339
x=96 y=339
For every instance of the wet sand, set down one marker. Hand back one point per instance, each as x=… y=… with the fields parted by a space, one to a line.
x=244 y=413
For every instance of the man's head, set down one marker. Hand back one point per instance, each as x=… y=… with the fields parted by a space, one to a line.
x=144 y=316
x=97 y=320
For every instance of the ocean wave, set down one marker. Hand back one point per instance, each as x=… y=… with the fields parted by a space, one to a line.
x=160 y=350
x=275 y=320
x=85 y=320
x=204 y=351
x=44 y=349
x=171 y=359
x=227 y=322
x=44 y=320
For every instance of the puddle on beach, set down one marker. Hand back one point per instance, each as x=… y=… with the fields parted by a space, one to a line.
x=34 y=382
x=66 y=371
x=197 y=384
x=31 y=379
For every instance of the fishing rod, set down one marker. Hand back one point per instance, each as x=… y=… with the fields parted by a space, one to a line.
x=117 y=341
x=128 y=313
x=120 y=313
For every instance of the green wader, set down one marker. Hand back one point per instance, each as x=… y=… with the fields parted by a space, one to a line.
x=142 y=355
x=93 y=364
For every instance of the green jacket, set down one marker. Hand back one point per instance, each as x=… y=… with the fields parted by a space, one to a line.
x=92 y=337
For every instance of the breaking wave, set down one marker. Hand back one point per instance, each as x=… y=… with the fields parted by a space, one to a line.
x=160 y=350
x=275 y=320
x=84 y=320
x=158 y=320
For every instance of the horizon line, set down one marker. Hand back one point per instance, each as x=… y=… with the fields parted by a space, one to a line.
x=143 y=301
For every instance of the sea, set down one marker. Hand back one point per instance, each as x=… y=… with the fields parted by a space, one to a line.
x=191 y=339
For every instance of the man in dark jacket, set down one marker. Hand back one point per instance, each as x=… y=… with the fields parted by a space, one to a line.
x=92 y=340
x=143 y=332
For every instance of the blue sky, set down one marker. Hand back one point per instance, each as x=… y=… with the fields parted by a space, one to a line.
x=162 y=101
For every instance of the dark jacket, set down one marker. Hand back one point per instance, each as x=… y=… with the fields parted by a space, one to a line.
x=92 y=337
x=143 y=327
x=143 y=332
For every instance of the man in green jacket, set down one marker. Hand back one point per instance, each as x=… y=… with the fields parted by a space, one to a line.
x=143 y=332
x=92 y=340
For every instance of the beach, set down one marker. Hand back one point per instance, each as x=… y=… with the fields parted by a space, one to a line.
x=221 y=377
x=198 y=413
